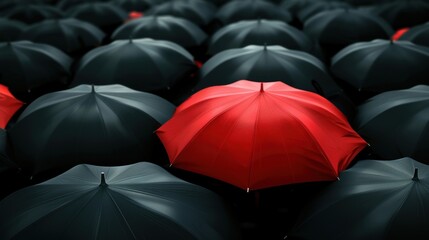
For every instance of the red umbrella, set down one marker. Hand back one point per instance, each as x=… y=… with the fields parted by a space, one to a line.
x=8 y=105
x=257 y=135
x=398 y=34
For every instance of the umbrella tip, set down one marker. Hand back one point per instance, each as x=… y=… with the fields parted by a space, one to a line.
x=248 y=190
x=92 y=88
x=103 y=180
x=130 y=39
x=338 y=178
x=416 y=174
x=265 y=46
x=262 y=87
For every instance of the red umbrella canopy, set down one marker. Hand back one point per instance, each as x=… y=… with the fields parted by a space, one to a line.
x=8 y=105
x=257 y=135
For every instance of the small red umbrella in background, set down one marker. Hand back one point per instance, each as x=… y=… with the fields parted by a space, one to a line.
x=8 y=105
x=398 y=34
x=134 y=15
x=257 y=135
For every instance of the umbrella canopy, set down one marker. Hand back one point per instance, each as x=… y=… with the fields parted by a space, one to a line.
x=341 y=27
x=417 y=34
x=5 y=163
x=8 y=105
x=109 y=125
x=169 y=28
x=10 y=29
x=382 y=65
x=67 y=4
x=395 y=123
x=133 y=5
x=258 y=135
x=139 y=201
x=106 y=16
x=141 y=64
x=238 y=10
x=310 y=10
x=402 y=14
x=265 y=64
x=69 y=35
x=258 y=32
x=373 y=200
x=294 y=6
x=32 y=13
x=199 y=12
x=25 y=65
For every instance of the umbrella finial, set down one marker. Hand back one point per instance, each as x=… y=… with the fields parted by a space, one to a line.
x=265 y=46
x=103 y=180
x=416 y=174
x=248 y=190
x=92 y=88
x=262 y=87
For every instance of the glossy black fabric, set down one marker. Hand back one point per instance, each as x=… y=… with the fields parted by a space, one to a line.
x=25 y=65
x=237 y=10
x=199 y=12
x=10 y=29
x=310 y=10
x=32 y=13
x=258 y=32
x=418 y=34
x=383 y=200
x=109 y=125
x=268 y=63
x=133 y=5
x=141 y=64
x=69 y=35
x=396 y=123
x=5 y=163
x=382 y=65
x=139 y=201
x=169 y=28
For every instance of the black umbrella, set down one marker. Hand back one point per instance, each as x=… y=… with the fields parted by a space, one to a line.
x=237 y=10
x=294 y=6
x=141 y=64
x=314 y=8
x=258 y=32
x=31 y=13
x=335 y=29
x=265 y=64
x=418 y=34
x=5 y=163
x=66 y=4
x=103 y=15
x=382 y=65
x=372 y=200
x=25 y=66
x=70 y=35
x=402 y=14
x=199 y=12
x=174 y=29
x=395 y=123
x=133 y=5
x=109 y=125
x=10 y=29
x=139 y=201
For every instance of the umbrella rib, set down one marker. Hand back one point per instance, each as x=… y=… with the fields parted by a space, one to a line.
x=255 y=126
x=122 y=215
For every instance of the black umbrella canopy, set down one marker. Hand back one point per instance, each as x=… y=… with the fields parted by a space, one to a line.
x=133 y=5
x=294 y=6
x=258 y=32
x=25 y=65
x=372 y=200
x=313 y=9
x=170 y=28
x=238 y=10
x=32 y=13
x=109 y=125
x=199 y=12
x=5 y=162
x=418 y=34
x=382 y=65
x=402 y=14
x=351 y=25
x=70 y=35
x=265 y=64
x=106 y=16
x=139 y=201
x=142 y=64
x=66 y=4
x=395 y=123
x=10 y=29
